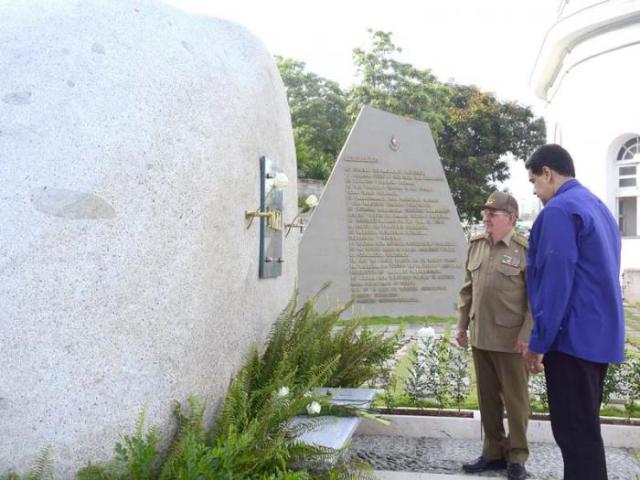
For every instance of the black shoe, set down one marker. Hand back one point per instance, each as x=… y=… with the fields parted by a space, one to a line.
x=481 y=464
x=516 y=471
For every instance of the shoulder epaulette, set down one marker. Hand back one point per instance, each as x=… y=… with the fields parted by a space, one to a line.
x=479 y=236
x=521 y=240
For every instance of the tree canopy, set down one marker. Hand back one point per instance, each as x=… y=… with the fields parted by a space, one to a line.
x=318 y=116
x=472 y=129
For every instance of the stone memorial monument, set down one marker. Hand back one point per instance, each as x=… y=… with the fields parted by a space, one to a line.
x=131 y=135
x=386 y=232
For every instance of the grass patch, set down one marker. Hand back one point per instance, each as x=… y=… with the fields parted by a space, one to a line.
x=634 y=341
x=631 y=318
x=611 y=411
x=409 y=320
x=402 y=371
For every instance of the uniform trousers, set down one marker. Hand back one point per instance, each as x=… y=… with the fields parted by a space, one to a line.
x=574 y=387
x=503 y=381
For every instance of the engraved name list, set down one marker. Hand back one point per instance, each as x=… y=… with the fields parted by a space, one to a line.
x=393 y=220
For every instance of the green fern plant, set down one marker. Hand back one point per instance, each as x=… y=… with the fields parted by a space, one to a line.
x=138 y=454
x=308 y=338
x=137 y=457
x=42 y=469
x=188 y=446
x=265 y=416
x=255 y=437
x=304 y=351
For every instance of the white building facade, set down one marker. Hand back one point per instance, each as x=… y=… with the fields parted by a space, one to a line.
x=587 y=72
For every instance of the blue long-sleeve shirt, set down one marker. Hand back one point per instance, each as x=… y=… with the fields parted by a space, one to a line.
x=573 y=279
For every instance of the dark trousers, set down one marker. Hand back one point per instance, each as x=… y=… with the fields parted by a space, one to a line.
x=574 y=387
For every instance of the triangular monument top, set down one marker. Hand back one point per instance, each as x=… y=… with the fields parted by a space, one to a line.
x=386 y=231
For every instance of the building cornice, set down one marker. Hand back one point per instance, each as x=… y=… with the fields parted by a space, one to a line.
x=576 y=28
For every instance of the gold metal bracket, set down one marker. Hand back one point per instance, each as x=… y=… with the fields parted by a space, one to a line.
x=274 y=217
x=295 y=224
x=257 y=213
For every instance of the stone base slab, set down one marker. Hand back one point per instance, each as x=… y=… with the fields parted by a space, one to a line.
x=623 y=436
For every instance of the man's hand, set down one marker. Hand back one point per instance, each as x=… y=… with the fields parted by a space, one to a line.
x=533 y=361
x=461 y=338
x=521 y=346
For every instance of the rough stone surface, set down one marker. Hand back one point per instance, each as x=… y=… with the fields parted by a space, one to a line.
x=130 y=134
x=386 y=232
x=439 y=455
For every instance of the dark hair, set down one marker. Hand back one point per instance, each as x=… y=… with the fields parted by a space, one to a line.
x=553 y=156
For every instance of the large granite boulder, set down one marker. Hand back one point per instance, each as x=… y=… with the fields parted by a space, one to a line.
x=130 y=137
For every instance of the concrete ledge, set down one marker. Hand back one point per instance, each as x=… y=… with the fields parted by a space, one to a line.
x=334 y=432
x=624 y=436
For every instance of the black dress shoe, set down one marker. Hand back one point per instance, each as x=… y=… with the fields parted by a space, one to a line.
x=481 y=464
x=516 y=471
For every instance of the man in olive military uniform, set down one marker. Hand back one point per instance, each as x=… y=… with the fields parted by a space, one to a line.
x=494 y=307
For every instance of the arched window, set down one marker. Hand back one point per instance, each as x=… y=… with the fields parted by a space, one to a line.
x=628 y=166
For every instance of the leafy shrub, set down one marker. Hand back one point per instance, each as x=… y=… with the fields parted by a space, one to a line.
x=538 y=390
x=415 y=385
x=630 y=383
x=308 y=339
x=457 y=374
x=136 y=457
x=439 y=371
x=255 y=437
x=612 y=382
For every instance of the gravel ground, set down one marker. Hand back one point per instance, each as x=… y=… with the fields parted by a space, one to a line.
x=447 y=455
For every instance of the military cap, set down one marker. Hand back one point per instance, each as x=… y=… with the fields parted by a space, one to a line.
x=502 y=201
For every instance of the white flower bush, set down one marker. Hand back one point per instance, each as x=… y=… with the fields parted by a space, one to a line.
x=440 y=371
x=426 y=332
x=436 y=354
x=458 y=374
x=612 y=382
x=416 y=383
x=629 y=386
x=283 y=392
x=538 y=390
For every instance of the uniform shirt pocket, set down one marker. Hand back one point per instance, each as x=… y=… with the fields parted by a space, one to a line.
x=474 y=267
x=511 y=295
x=509 y=277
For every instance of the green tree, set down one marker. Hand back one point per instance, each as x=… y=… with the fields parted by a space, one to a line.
x=473 y=130
x=319 y=117
x=479 y=131
x=396 y=87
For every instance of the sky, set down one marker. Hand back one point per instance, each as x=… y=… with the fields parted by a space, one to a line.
x=489 y=43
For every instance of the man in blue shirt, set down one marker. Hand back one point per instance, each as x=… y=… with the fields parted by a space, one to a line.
x=575 y=298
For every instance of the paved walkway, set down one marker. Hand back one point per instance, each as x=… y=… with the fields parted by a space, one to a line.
x=389 y=475
x=430 y=456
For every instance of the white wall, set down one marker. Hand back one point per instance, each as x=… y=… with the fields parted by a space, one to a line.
x=593 y=109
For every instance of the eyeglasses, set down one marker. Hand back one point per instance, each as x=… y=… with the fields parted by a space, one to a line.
x=493 y=213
